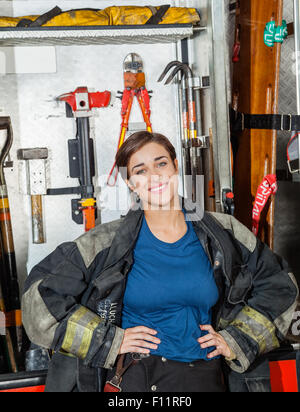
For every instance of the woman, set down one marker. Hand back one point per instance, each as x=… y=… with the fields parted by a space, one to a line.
x=161 y=296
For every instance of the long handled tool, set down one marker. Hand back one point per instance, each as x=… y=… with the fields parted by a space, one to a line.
x=191 y=126
x=79 y=104
x=35 y=159
x=182 y=102
x=184 y=127
x=134 y=86
x=10 y=361
x=8 y=276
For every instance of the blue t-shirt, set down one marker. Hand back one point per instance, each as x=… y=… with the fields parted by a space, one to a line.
x=171 y=289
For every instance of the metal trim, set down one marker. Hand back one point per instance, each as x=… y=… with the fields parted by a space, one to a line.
x=94 y=35
x=219 y=97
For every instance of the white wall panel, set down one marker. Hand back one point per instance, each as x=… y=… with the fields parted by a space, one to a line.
x=39 y=121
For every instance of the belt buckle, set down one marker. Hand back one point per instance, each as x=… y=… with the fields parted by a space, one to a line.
x=138 y=356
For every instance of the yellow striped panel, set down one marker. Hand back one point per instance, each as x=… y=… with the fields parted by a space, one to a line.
x=71 y=329
x=258 y=327
x=79 y=333
x=87 y=337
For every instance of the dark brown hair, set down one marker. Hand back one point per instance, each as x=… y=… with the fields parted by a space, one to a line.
x=135 y=142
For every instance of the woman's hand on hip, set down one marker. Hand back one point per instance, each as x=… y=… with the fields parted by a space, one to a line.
x=139 y=339
x=214 y=339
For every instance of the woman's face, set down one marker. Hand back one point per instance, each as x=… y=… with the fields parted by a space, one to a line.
x=153 y=176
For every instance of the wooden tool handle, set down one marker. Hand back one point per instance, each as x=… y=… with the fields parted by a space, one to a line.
x=37 y=219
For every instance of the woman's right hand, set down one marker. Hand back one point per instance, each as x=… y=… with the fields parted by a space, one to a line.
x=139 y=339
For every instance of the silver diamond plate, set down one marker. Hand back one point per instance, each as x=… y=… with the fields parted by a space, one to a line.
x=287 y=88
x=89 y=36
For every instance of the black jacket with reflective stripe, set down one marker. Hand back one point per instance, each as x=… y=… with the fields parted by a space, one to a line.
x=72 y=300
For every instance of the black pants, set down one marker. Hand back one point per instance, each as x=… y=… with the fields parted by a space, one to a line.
x=157 y=374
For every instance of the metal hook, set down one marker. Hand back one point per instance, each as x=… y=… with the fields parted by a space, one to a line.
x=168 y=67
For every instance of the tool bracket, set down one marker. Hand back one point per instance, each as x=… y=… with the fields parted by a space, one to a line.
x=37 y=177
x=75 y=158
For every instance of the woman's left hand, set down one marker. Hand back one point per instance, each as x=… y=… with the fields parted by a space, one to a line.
x=214 y=339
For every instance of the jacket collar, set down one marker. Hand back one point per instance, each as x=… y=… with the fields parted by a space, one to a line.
x=127 y=234
x=204 y=223
x=125 y=237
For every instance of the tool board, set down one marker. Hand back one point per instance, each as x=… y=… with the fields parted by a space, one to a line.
x=27 y=95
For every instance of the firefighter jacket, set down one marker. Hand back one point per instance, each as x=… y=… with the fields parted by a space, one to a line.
x=72 y=300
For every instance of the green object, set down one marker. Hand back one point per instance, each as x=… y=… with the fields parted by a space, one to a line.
x=275 y=34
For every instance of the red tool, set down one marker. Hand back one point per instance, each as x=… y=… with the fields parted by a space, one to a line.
x=81 y=153
x=134 y=86
x=81 y=100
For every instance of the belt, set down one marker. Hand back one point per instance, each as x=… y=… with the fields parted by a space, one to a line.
x=284 y=122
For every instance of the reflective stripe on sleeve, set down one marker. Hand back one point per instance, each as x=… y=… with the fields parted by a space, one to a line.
x=79 y=333
x=258 y=327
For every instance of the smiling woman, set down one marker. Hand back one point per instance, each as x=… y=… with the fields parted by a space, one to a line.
x=162 y=304
x=162 y=153
x=189 y=292
x=148 y=165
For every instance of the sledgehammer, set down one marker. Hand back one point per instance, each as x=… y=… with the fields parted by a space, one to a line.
x=36 y=178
